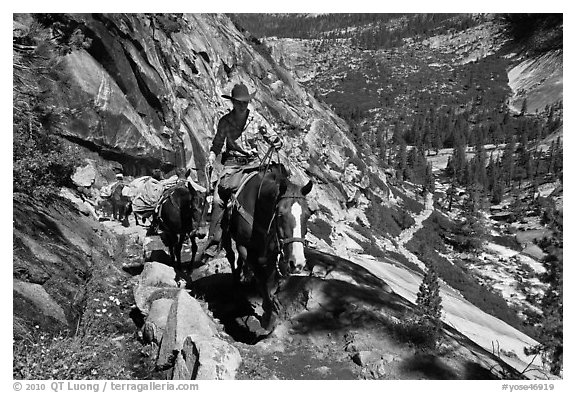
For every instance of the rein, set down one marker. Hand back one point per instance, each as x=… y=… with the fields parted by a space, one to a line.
x=268 y=160
x=271 y=235
x=280 y=242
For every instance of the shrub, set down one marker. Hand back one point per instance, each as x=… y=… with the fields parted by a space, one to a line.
x=415 y=331
x=410 y=204
x=382 y=220
x=370 y=247
x=41 y=161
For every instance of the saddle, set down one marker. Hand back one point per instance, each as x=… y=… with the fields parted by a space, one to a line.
x=234 y=204
x=247 y=174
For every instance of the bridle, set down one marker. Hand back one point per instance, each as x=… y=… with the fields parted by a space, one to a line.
x=281 y=242
x=265 y=163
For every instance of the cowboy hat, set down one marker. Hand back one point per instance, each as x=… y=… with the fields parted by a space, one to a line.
x=240 y=93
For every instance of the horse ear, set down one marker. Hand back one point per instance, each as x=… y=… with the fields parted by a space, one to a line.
x=307 y=188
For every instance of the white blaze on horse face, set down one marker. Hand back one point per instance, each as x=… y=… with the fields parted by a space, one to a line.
x=298 y=247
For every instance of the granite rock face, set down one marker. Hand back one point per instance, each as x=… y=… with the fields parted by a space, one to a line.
x=146 y=89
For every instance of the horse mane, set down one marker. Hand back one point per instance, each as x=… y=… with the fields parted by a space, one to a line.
x=271 y=180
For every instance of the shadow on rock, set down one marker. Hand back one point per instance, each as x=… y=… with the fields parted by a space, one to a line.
x=477 y=371
x=332 y=266
x=233 y=306
x=160 y=256
x=428 y=366
x=318 y=305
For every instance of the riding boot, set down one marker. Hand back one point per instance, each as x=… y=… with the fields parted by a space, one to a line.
x=212 y=246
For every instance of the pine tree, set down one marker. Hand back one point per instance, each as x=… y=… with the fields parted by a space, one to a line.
x=459 y=160
x=507 y=162
x=401 y=160
x=479 y=168
x=550 y=323
x=497 y=192
x=429 y=303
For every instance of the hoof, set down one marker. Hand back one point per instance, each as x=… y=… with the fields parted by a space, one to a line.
x=268 y=322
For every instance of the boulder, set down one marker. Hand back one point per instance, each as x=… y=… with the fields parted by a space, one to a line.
x=186 y=363
x=84 y=176
x=144 y=296
x=216 y=358
x=35 y=299
x=157 y=281
x=186 y=317
x=533 y=251
x=365 y=358
x=156 y=274
x=156 y=321
x=214 y=266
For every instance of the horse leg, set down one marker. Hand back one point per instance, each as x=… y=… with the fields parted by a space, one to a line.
x=193 y=247
x=178 y=248
x=266 y=281
x=130 y=210
x=181 y=270
x=172 y=240
x=124 y=211
x=114 y=209
x=242 y=255
x=227 y=245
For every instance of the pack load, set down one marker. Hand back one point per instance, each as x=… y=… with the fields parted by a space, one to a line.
x=107 y=190
x=146 y=192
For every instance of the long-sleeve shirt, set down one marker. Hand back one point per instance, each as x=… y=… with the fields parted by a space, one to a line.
x=241 y=137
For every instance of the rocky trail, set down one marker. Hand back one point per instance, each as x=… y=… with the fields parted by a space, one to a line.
x=343 y=321
x=407 y=234
x=347 y=319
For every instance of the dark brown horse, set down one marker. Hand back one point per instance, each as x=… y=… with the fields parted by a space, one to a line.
x=268 y=224
x=180 y=215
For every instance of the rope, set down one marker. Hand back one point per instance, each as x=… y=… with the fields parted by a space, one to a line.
x=267 y=157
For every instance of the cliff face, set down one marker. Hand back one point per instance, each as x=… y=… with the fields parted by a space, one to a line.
x=147 y=89
x=537 y=80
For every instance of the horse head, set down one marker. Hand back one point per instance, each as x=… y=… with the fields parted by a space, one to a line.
x=292 y=214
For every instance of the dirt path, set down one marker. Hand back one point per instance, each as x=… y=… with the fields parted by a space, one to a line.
x=407 y=234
